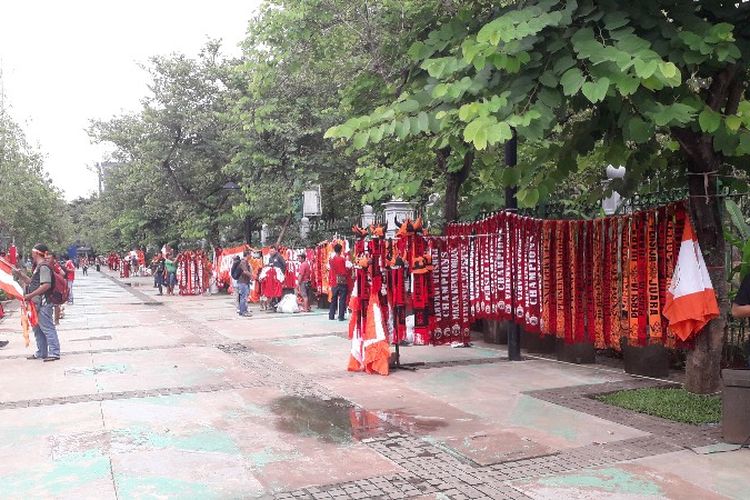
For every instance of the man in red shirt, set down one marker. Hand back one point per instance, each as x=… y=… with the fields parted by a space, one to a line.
x=339 y=282
x=70 y=276
x=304 y=280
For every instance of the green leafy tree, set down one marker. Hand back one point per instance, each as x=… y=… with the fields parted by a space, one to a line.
x=166 y=183
x=643 y=78
x=32 y=209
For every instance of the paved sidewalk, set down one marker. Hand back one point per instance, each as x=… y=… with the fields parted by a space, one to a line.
x=177 y=397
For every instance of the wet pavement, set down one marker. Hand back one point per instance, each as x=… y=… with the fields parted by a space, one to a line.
x=177 y=397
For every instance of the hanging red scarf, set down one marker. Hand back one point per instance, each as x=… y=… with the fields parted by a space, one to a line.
x=398 y=302
x=642 y=280
x=578 y=288
x=464 y=320
x=441 y=269
x=549 y=273
x=668 y=262
x=561 y=269
x=533 y=283
x=520 y=249
x=617 y=268
x=596 y=307
x=653 y=305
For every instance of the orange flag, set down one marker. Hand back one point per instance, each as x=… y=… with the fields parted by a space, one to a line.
x=691 y=300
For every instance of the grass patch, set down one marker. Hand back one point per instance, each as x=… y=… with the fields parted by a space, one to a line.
x=672 y=404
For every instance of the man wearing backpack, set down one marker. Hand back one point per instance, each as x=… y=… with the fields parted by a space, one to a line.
x=38 y=288
x=244 y=276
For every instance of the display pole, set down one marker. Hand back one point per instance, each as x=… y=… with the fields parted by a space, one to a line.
x=511 y=205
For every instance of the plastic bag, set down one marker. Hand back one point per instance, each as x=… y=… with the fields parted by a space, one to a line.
x=288 y=304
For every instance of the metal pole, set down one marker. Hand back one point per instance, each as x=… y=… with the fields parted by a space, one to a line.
x=511 y=204
x=248 y=230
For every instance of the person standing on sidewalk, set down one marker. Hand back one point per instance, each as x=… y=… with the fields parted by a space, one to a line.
x=304 y=280
x=37 y=287
x=70 y=276
x=339 y=276
x=170 y=266
x=243 y=283
x=159 y=270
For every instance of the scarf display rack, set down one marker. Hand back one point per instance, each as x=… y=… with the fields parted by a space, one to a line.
x=193 y=272
x=605 y=281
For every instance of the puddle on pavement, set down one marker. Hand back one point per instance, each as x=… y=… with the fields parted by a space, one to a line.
x=339 y=421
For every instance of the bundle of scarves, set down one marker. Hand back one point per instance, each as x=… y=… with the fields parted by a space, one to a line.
x=193 y=272
x=403 y=267
x=113 y=261
x=369 y=322
x=602 y=281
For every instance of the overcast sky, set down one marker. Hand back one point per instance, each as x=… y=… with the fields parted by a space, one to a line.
x=64 y=63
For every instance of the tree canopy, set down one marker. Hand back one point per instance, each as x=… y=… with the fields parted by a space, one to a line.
x=32 y=209
x=656 y=85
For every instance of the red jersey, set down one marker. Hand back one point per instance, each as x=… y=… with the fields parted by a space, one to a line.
x=338 y=268
x=70 y=269
x=305 y=272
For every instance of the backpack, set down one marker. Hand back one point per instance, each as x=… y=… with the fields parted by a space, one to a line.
x=236 y=271
x=58 y=293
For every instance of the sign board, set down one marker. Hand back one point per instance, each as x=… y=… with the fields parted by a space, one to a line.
x=311 y=204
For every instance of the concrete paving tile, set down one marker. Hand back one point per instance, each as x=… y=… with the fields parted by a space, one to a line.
x=185 y=366
x=624 y=481
x=237 y=429
x=723 y=474
x=45 y=380
x=58 y=452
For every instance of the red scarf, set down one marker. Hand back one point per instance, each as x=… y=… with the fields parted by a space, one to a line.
x=533 y=283
x=549 y=274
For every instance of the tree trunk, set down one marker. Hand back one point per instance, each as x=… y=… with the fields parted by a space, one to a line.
x=283 y=229
x=702 y=372
x=248 y=229
x=703 y=369
x=453 y=182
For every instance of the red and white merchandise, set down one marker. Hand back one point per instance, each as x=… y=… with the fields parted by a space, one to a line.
x=271 y=282
x=193 y=272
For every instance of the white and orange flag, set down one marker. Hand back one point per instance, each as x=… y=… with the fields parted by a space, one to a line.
x=13 y=289
x=7 y=283
x=691 y=300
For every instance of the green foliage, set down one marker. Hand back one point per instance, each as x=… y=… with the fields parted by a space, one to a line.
x=165 y=183
x=739 y=239
x=32 y=209
x=626 y=73
x=672 y=404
